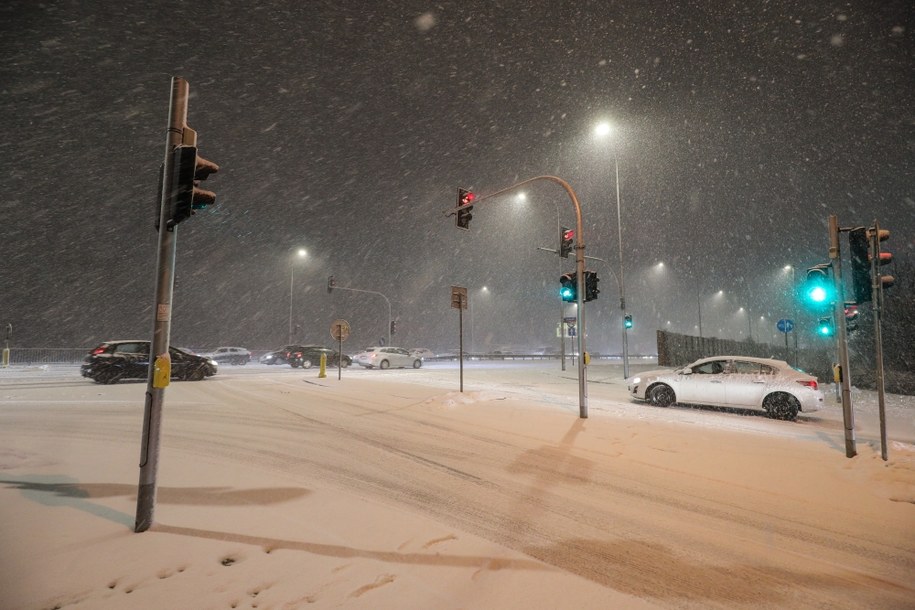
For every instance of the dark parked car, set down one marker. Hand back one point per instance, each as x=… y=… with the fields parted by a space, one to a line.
x=307 y=356
x=113 y=361
x=277 y=356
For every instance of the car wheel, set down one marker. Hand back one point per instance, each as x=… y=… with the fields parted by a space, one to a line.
x=294 y=364
x=384 y=364
x=197 y=374
x=344 y=363
x=417 y=363
x=306 y=364
x=782 y=406
x=108 y=376
x=661 y=395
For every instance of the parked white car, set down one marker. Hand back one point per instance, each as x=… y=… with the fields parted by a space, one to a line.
x=230 y=355
x=387 y=357
x=732 y=381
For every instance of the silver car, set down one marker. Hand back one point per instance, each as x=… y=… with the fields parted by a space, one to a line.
x=732 y=381
x=387 y=357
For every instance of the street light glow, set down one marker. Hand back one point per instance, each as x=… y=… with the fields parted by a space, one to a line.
x=302 y=253
x=603 y=129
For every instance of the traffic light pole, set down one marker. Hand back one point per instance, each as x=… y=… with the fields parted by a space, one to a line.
x=877 y=302
x=848 y=414
x=580 y=281
x=386 y=300
x=165 y=274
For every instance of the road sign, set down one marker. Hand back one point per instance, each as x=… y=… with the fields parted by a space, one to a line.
x=339 y=330
x=458 y=297
x=785 y=326
x=570 y=320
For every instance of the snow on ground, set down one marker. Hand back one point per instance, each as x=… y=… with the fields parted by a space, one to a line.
x=392 y=489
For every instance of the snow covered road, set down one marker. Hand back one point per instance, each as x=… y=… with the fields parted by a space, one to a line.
x=636 y=506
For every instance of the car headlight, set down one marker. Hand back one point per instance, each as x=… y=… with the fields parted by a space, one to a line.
x=635 y=380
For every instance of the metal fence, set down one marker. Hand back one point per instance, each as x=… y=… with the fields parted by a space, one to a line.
x=47 y=355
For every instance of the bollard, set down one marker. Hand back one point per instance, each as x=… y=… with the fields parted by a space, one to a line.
x=322 y=373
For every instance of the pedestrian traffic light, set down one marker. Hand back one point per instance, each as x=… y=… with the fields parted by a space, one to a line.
x=858 y=246
x=627 y=321
x=818 y=290
x=568 y=289
x=331 y=283
x=465 y=206
x=825 y=327
x=591 y=289
x=188 y=169
x=566 y=235
x=876 y=235
x=851 y=316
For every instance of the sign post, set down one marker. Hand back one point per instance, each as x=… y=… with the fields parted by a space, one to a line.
x=339 y=330
x=785 y=326
x=459 y=302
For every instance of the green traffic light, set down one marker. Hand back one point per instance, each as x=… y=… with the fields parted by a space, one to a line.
x=817 y=294
x=565 y=293
x=824 y=327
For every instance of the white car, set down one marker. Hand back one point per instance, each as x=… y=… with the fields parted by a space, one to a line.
x=230 y=355
x=732 y=381
x=422 y=352
x=387 y=357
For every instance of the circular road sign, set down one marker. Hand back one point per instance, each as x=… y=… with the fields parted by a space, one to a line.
x=339 y=330
x=785 y=326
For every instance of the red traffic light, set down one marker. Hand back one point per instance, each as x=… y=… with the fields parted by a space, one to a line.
x=467 y=197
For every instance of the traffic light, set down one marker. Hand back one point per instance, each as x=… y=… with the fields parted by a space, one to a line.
x=568 y=289
x=331 y=283
x=825 y=327
x=858 y=246
x=591 y=289
x=818 y=289
x=188 y=170
x=851 y=316
x=875 y=236
x=627 y=321
x=566 y=235
x=465 y=207
x=393 y=327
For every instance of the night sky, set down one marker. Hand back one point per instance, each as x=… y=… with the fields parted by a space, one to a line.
x=346 y=127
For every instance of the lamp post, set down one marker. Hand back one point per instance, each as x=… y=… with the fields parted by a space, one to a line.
x=300 y=254
x=604 y=129
x=791 y=295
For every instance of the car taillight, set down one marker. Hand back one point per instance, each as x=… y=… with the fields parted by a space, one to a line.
x=97 y=351
x=810 y=383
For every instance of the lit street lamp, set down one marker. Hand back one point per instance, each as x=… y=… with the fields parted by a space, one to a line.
x=300 y=254
x=602 y=130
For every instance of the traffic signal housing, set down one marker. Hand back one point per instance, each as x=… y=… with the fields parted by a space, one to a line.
x=591 y=289
x=818 y=291
x=825 y=327
x=566 y=236
x=465 y=206
x=879 y=257
x=859 y=246
x=189 y=169
x=568 y=288
x=627 y=321
x=393 y=327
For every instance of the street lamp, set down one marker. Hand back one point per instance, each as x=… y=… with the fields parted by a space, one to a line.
x=300 y=254
x=791 y=295
x=602 y=130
